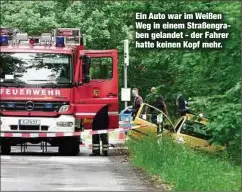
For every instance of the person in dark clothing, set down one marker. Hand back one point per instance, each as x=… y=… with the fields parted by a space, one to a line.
x=138 y=100
x=157 y=101
x=181 y=104
x=160 y=104
x=100 y=122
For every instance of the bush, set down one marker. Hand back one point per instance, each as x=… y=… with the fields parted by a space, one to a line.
x=224 y=115
x=225 y=129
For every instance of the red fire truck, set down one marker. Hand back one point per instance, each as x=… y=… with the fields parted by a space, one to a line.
x=51 y=86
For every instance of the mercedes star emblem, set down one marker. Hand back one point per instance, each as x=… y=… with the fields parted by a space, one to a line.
x=29 y=106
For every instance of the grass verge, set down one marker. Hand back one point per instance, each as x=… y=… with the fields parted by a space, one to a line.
x=183 y=168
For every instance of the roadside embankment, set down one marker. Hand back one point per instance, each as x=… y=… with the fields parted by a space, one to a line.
x=183 y=168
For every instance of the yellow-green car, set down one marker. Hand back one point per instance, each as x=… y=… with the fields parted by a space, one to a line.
x=188 y=129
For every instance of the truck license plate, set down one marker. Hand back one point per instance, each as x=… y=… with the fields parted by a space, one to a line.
x=29 y=122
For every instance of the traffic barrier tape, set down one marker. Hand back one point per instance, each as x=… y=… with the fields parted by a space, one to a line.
x=125 y=122
x=112 y=136
x=66 y=134
x=89 y=146
x=114 y=142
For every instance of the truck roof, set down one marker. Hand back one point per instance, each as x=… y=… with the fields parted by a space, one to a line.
x=36 y=49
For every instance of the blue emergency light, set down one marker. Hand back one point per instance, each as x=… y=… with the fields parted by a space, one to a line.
x=60 y=41
x=48 y=105
x=3 y=39
x=11 y=105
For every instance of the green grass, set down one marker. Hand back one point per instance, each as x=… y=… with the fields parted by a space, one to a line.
x=183 y=168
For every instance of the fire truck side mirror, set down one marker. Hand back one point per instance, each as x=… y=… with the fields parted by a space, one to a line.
x=85 y=68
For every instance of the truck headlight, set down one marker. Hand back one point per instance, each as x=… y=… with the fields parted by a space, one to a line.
x=64 y=108
x=64 y=124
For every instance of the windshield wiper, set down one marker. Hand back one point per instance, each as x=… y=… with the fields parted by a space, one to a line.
x=54 y=85
x=49 y=84
x=11 y=83
x=38 y=80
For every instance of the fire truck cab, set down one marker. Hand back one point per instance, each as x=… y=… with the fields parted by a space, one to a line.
x=51 y=88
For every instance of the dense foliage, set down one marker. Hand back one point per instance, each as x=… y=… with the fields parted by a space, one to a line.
x=106 y=24
x=225 y=119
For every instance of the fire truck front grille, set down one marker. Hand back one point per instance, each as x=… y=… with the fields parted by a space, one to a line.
x=35 y=106
x=29 y=128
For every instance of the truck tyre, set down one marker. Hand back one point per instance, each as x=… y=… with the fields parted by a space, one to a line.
x=69 y=146
x=5 y=147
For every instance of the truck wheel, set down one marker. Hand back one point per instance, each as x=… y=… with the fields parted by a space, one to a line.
x=5 y=147
x=69 y=146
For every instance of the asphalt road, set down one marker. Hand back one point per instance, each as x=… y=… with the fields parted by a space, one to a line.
x=31 y=171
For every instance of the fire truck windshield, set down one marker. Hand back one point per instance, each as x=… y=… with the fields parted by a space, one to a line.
x=35 y=69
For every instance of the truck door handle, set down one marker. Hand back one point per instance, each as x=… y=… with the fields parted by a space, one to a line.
x=111 y=94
